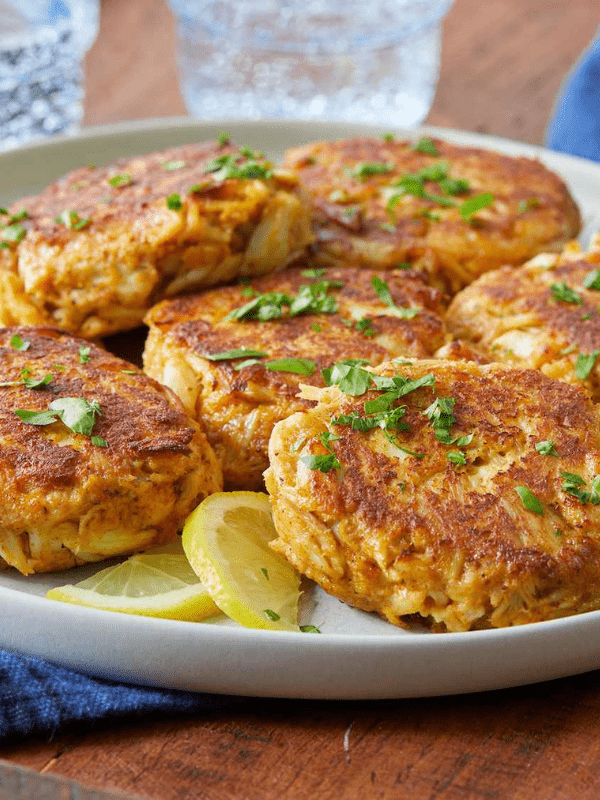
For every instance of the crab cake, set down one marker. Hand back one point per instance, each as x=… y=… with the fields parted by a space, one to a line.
x=455 y=211
x=96 y=458
x=461 y=495
x=97 y=248
x=236 y=356
x=544 y=315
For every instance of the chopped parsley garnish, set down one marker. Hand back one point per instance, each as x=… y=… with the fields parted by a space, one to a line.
x=174 y=165
x=585 y=364
x=475 y=204
x=265 y=572
x=13 y=233
x=309 y=629
x=313 y=273
x=366 y=169
x=365 y=326
x=174 y=202
x=72 y=220
x=299 y=366
x=229 y=355
x=226 y=166
x=592 y=280
x=272 y=615
x=561 y=291
x=349 y=376
x=75 y=412
x=573 y=484
x=382 y=290
x=316 y=328
x=546 y=448
x=323 y=462
x=388 y=227
x=529 y=500
x=20 y=216
x=20 y=344
x=98 y=441
x=456 y=457
x=84 y=354
x=311 y=299
x=248 y=362
x=118 y=181
x=427 y=146
x=453 y=186
x=223 y=139
x=34 y=383
x=442 y=418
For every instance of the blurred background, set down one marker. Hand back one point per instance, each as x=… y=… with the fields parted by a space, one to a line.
x=503 y=62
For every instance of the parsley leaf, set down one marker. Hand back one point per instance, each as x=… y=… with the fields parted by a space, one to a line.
x=174 y=202
x=174 y=165
x=427 y=146
x=442 y=418
x=309 y=629
x=228 y=355
x=20 y=344
x=475 y=204
x=118 y=181
x=349 y=376
x=76 y=413
x=365 y=169
x=299 y=366
x=84 y=354
x=561 y=291
x=585 y=364
x=382 y=290
x=72 y=220
x=546 y=448
x=592 y=280
x=529 y=500
x=456 y=457
x=34 y=383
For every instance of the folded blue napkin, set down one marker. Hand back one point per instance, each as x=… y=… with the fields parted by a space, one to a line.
x=38 y=699
x=575 y=124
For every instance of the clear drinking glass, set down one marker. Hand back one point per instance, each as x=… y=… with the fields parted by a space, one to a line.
x=42 y=45
x=342 y=60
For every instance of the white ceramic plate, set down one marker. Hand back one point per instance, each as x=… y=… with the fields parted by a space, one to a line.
x=357 y=656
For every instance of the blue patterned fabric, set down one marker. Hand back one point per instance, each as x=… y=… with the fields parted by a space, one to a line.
x=575 y=124
x=38 y=699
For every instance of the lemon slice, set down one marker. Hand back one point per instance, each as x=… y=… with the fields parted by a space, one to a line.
x=226 y=540
x=159 y=583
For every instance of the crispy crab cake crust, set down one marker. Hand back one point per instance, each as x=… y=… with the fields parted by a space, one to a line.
x=532 y=210
x=125 y=248
x=514 y=316
x=238 y=407
x=422 y=538
x=68 y=501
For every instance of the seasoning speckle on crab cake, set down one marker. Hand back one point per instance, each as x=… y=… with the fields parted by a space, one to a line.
x=93 y=251
x=454 y=211
x=462 y=495
x=96 y=458
x=236 y=356
x=543 y=315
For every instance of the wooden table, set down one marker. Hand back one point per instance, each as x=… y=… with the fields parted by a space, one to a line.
x=503 y=62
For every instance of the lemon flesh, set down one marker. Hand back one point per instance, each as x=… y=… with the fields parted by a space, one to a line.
x=226 y=540
x=160 y=583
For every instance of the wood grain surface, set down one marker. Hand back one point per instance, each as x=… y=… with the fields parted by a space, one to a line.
x=503 y=63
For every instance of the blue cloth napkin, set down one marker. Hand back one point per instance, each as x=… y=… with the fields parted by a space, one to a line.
x=38 y=699
x=575 y=124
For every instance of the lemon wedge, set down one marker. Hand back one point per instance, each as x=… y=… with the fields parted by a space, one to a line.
x=159 y=583
x=226 y=540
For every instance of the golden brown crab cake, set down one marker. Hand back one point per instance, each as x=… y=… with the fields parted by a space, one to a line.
x=544 y=315
x=238 y=400
x=380 y=202
x=96 y=458
x=97 y=248
x=462 y=495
